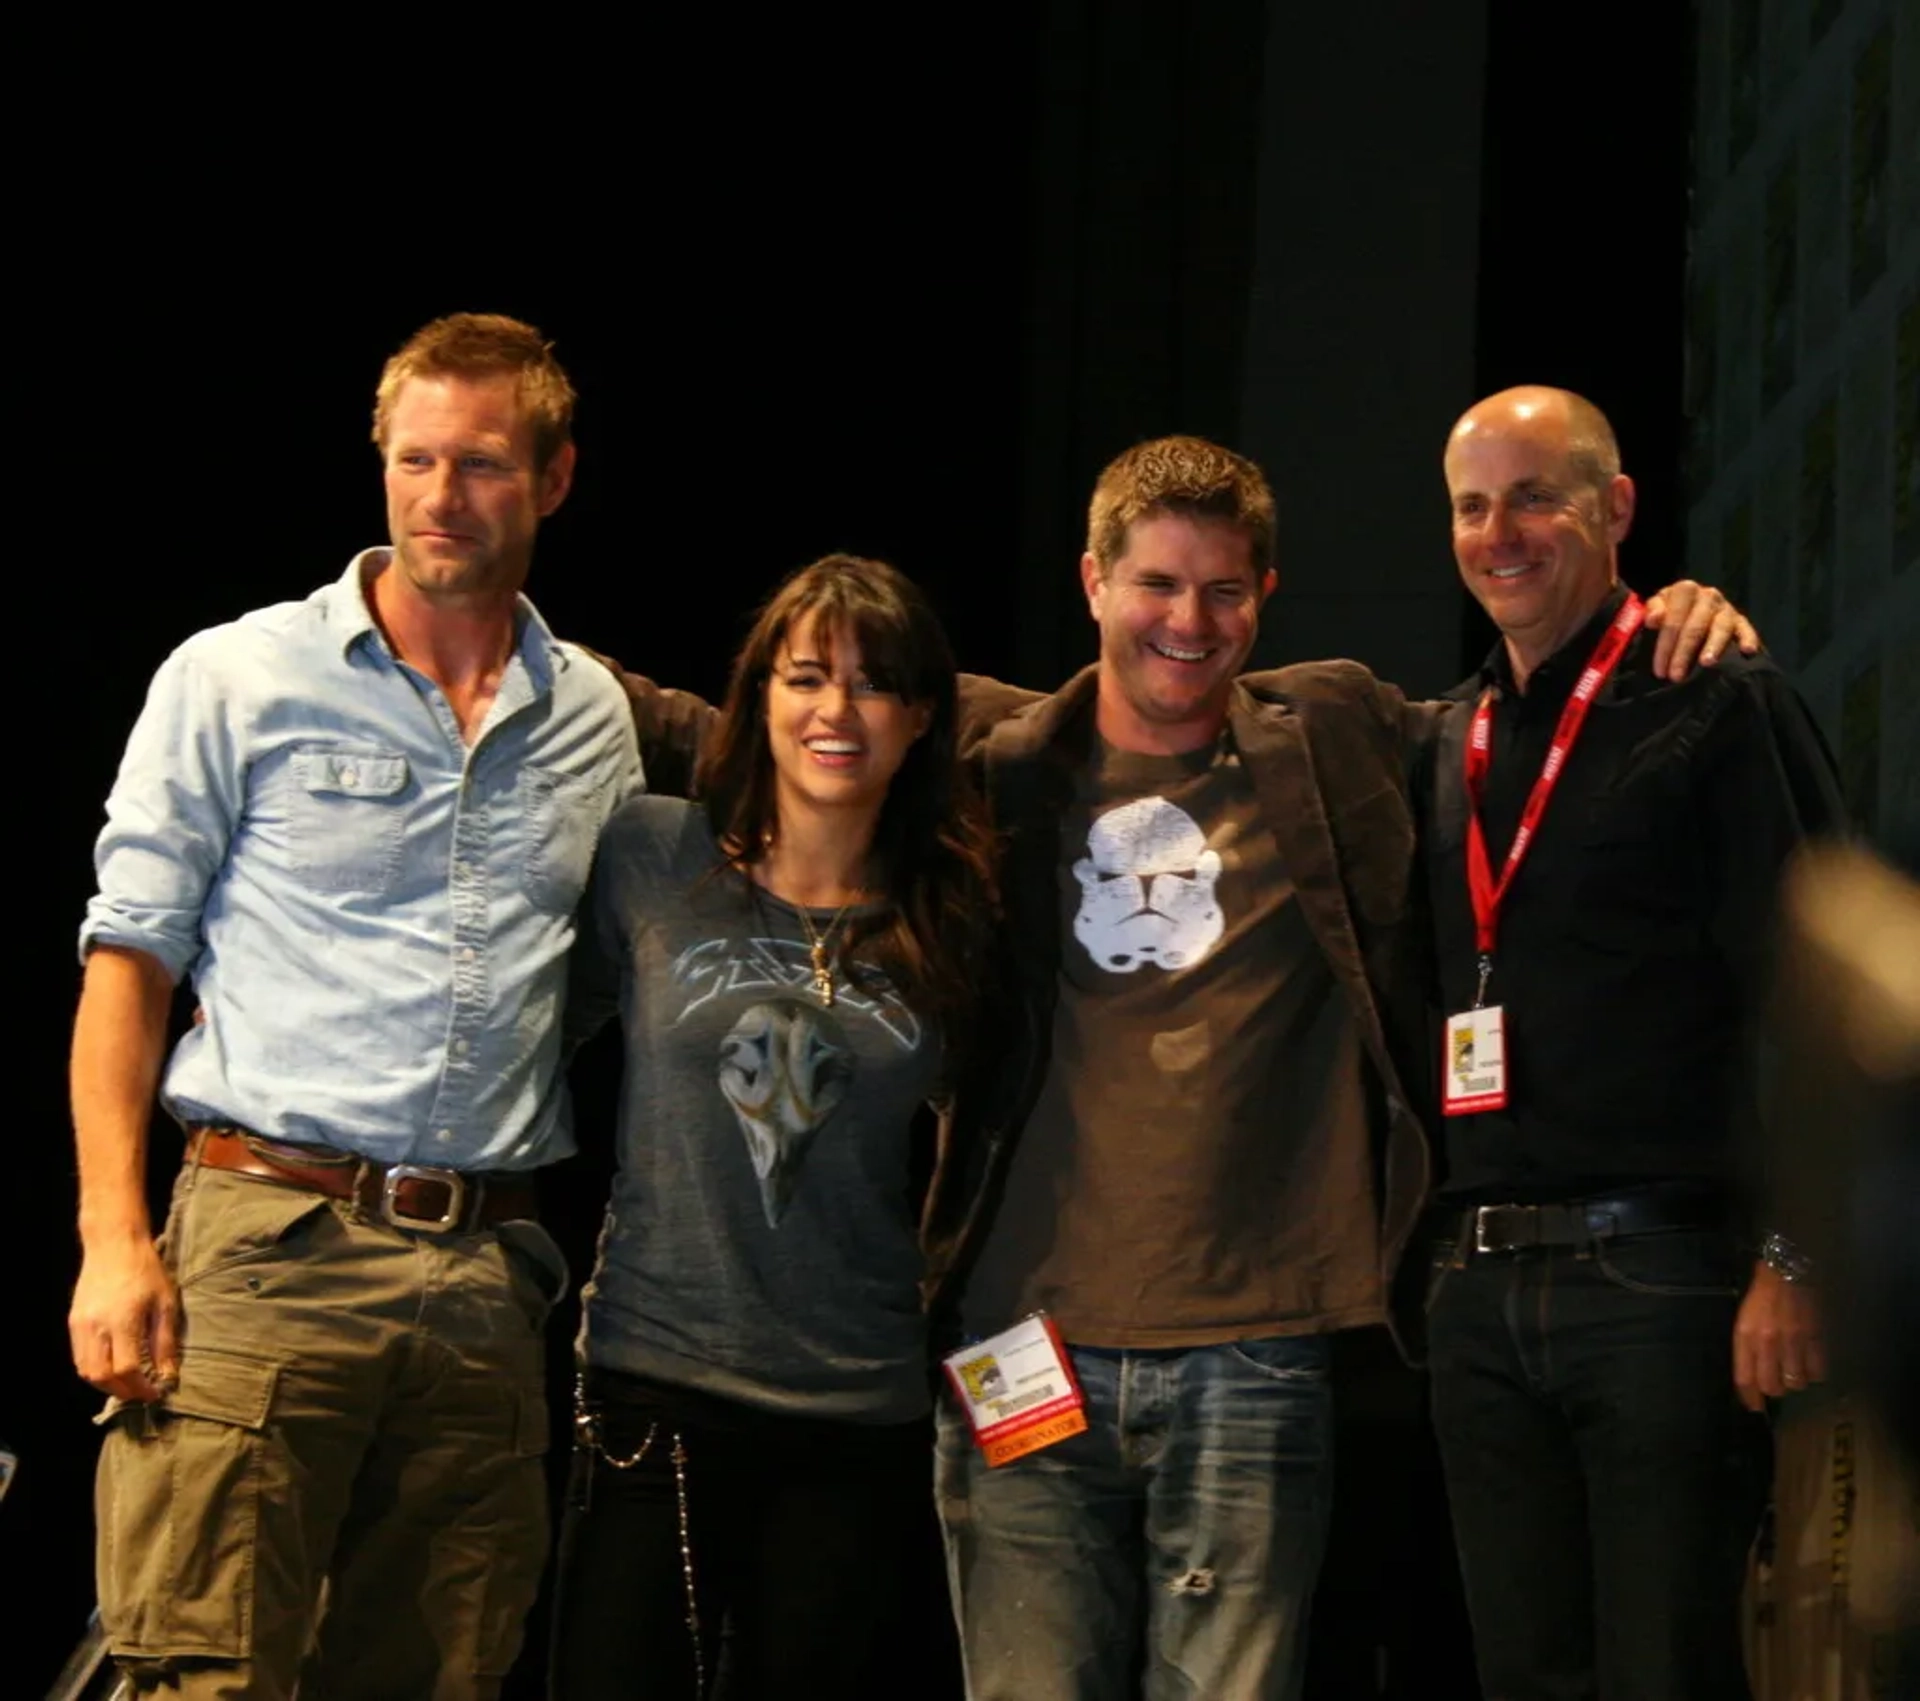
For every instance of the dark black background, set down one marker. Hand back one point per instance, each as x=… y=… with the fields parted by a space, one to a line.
x=813 y=289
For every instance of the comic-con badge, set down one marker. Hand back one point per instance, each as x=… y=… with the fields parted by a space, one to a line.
x=1474 y=1069
x=1018 y=1390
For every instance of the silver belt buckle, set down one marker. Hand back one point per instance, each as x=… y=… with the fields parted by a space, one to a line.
x=454 y=1182
x=1480 y=1229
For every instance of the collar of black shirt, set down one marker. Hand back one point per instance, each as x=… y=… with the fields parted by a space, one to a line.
x=1550 y=684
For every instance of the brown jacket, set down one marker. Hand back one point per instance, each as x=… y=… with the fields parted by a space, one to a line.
x=1328 y=748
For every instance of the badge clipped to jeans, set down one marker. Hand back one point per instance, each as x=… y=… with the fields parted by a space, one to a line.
x=1018 y=1390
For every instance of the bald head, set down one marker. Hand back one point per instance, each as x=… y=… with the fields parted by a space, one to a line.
x=1539 y=508
x=1552 y=418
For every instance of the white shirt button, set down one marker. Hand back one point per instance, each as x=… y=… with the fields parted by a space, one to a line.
x=444 y=1134
x=349 y=776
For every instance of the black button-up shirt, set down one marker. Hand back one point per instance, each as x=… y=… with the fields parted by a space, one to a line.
x=1632 y=940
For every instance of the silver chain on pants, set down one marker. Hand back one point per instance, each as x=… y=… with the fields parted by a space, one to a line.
x=586 y=1434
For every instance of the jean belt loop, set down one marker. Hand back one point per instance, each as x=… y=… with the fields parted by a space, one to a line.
x=1601 y=1228
x=1462 y=1242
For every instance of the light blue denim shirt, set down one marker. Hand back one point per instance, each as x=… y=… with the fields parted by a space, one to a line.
x=376 y=916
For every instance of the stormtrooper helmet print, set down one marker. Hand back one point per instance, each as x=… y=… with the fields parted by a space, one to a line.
x=1147 y=889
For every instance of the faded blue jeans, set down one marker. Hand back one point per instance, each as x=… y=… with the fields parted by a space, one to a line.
x=1167 y=1554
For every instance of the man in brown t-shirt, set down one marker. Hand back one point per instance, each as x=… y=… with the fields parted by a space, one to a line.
x=1187 y=1140
x=1203 y=1067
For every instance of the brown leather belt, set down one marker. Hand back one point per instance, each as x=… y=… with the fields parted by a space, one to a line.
x=420 y=1197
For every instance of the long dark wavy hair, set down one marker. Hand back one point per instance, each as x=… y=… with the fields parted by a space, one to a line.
x=932 y=858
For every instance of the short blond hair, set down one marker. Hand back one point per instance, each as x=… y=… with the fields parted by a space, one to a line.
x=485 y=345
x=1187 y=476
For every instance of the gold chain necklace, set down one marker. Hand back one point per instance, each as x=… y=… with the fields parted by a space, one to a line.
x=818 y=941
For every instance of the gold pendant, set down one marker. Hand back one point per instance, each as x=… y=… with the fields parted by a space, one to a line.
x=822 y=974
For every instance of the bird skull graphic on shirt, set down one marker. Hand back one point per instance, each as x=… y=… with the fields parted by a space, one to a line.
x=1147 y=889
x=784 y=1071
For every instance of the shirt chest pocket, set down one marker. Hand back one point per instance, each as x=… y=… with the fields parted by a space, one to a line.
x=347 y=817
x=1637 y=883
x=554 y=822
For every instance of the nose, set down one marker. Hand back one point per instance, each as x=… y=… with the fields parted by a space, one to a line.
x=835 y=702
x=1502 y=523
x=444 y=489
x=1189 y=612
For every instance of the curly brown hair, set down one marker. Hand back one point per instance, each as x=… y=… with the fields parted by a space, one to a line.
x=1187 y=476
x=932 y=855
x=485 y=345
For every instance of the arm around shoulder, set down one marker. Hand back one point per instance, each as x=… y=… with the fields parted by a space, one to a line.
x=672 y=727
x=984 y=703
x=1342 y=687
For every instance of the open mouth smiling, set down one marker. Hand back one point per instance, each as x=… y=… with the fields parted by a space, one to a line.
x=1175 y=653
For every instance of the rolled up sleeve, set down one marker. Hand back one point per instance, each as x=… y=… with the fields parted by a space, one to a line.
x=170 y=818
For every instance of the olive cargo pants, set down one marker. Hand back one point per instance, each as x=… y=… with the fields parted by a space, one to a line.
x=345 y=1490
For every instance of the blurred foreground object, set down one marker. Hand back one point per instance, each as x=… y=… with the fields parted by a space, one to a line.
x=1843 y=1112
x=1835 y=1601
x=1830 y=1600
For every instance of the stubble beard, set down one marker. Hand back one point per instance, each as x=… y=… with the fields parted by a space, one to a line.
x=1173 y=703
x=459 y=578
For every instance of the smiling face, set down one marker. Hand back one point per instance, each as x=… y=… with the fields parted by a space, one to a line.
x=463 y=496
x=836 y=737
x=1535 y=526
x=1178 y=612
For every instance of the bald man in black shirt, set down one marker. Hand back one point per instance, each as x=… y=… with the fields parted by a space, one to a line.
x=1612 y=1307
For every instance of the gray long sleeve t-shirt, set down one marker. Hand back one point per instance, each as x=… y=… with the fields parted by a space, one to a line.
x=759 y=1244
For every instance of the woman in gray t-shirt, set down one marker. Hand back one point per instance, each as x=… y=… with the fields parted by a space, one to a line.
x=793 y=959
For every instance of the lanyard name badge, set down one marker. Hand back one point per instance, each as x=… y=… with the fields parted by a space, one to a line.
x=1473 y=1066
x=1018 y=1390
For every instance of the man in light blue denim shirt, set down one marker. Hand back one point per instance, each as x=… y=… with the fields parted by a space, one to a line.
x=361 y=825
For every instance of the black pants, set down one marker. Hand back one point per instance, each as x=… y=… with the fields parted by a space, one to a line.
x=803 y=1538
x=1605 y=1482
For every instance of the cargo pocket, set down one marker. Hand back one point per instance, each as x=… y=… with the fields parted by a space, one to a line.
x=177 y=1498
x=518 y=1541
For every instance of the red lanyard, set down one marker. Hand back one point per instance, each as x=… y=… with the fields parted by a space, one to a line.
x=1487 y=897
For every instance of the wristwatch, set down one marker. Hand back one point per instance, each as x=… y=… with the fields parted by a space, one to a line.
x=1785 y=1260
